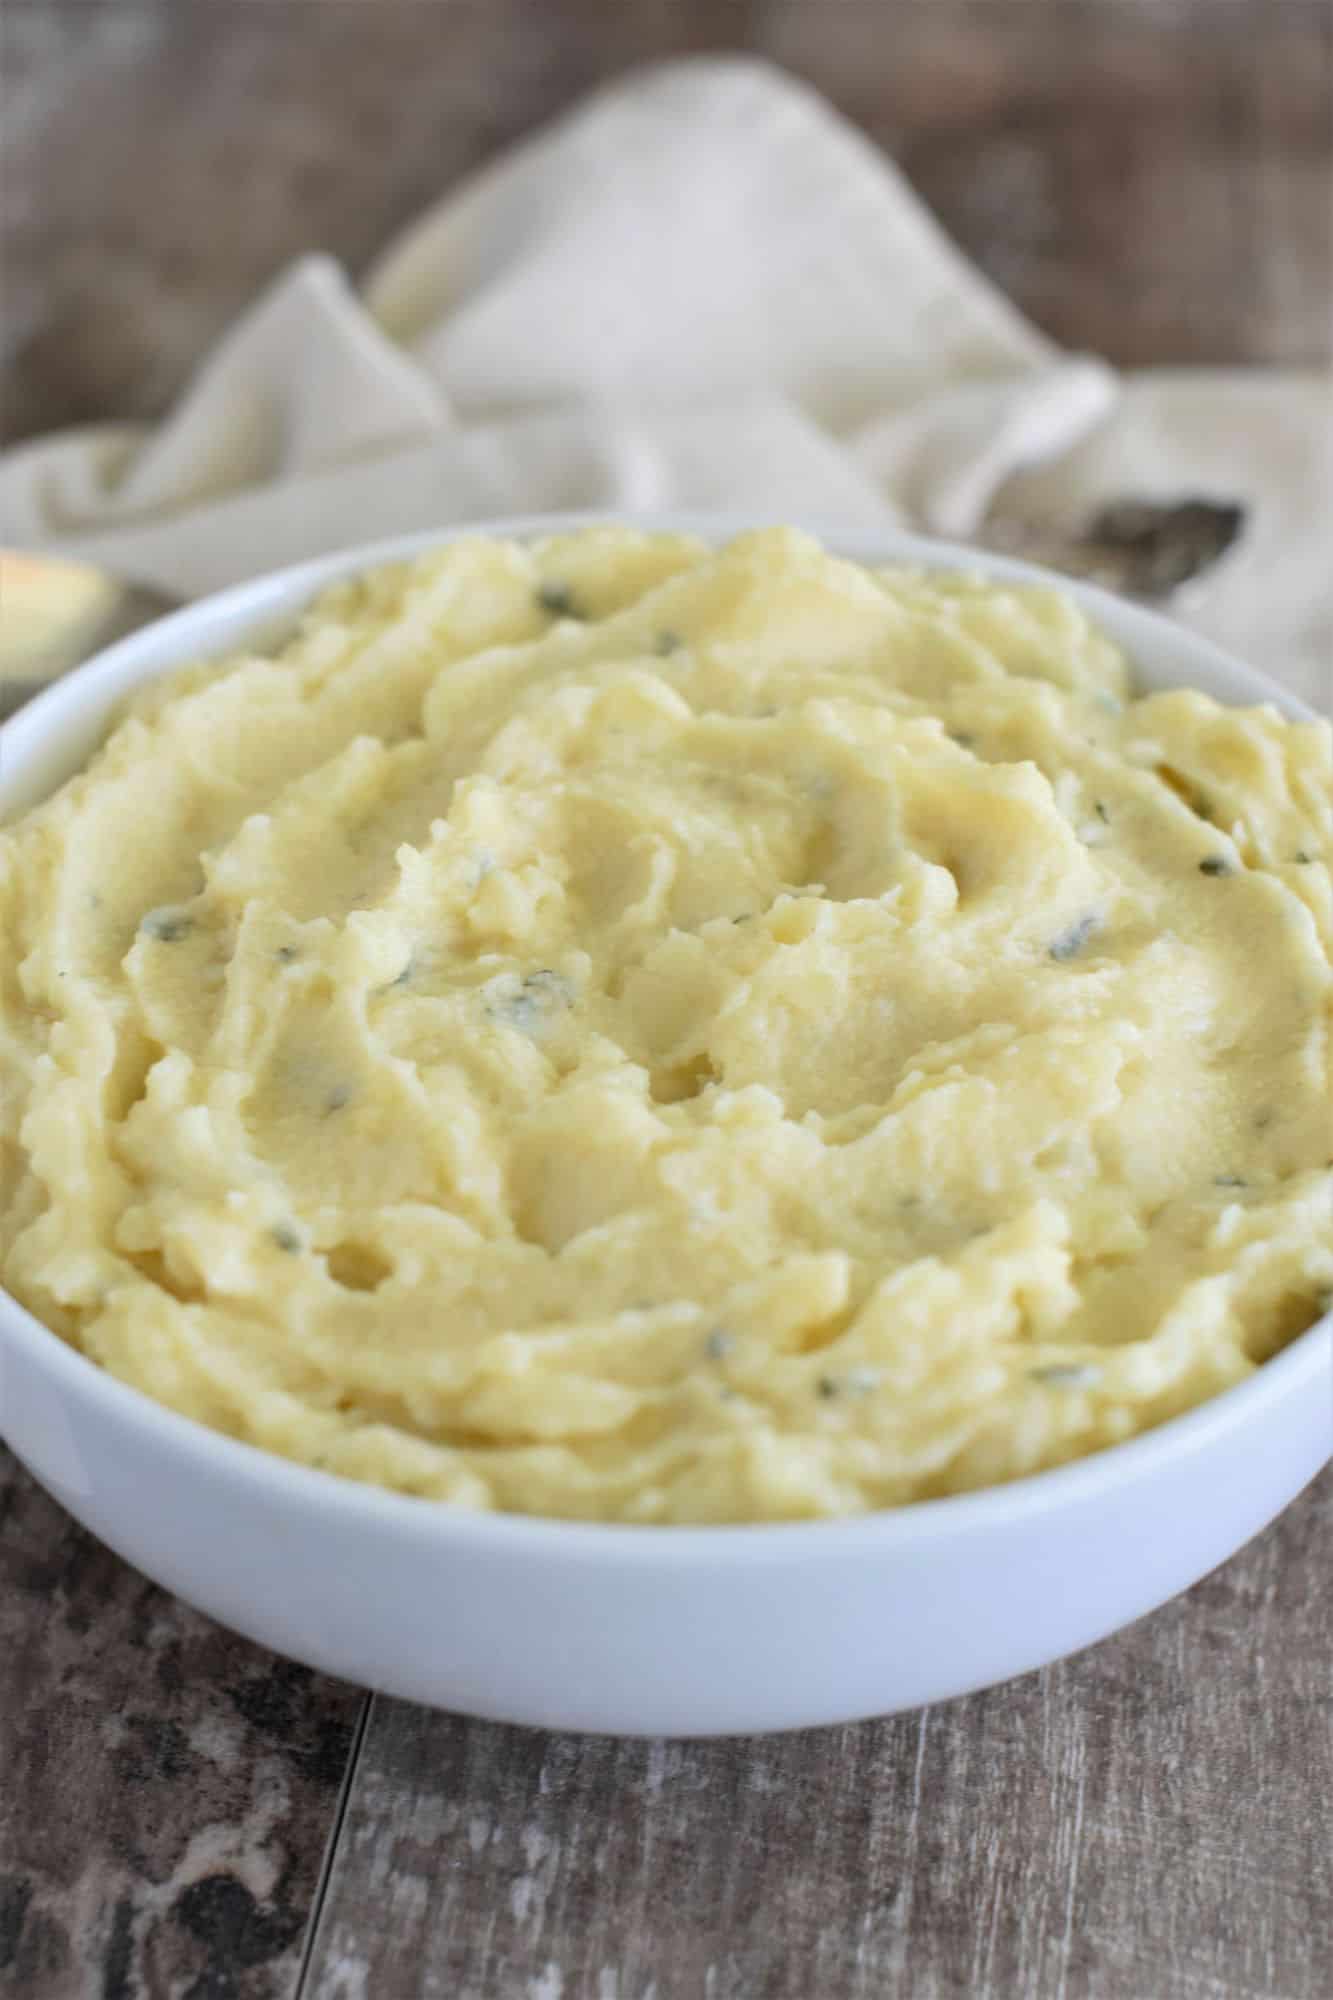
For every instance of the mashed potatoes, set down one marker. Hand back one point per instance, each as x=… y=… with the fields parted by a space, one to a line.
x=609 y=1029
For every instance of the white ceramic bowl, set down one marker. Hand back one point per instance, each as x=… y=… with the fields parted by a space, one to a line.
x=673 y=1631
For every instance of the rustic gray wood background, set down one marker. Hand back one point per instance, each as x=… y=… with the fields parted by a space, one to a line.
x=183 y=1815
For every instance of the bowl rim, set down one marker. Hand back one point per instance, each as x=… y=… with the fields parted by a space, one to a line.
x=282 y=593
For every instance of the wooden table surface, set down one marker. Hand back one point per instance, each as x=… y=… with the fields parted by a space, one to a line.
x=181 y=1814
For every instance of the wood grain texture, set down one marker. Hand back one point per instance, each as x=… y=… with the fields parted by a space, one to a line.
x=1149 y=179
x=165 y=1789
x=1150 y=1821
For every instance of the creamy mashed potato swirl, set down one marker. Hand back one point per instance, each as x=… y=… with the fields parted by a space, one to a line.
x=610 y=1029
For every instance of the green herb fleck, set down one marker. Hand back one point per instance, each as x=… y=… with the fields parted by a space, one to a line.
x=558 y=600
x=1067 y=1375
x=167 y=926
x=855 y=1382
x=1302 y=859
x=287 y=954
x=1099 y=807
x=527 y=1004
x=1071 y=942
x=719 y=1344
x=286 y=1237
x=667 y=643
x=1215 y=864
x=543 y=980
x=962 y=737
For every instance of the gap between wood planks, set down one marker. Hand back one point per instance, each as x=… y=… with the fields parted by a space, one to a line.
x=331 y=1845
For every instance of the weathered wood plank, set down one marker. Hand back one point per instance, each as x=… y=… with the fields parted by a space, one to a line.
x=1149 y=179
x=166 y=1790
x=1146 y=180
x=1150 y=1819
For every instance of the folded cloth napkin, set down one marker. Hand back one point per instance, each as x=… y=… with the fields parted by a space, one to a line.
x=701 y=289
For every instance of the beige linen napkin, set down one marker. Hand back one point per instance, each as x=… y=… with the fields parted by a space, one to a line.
x=701 y=289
